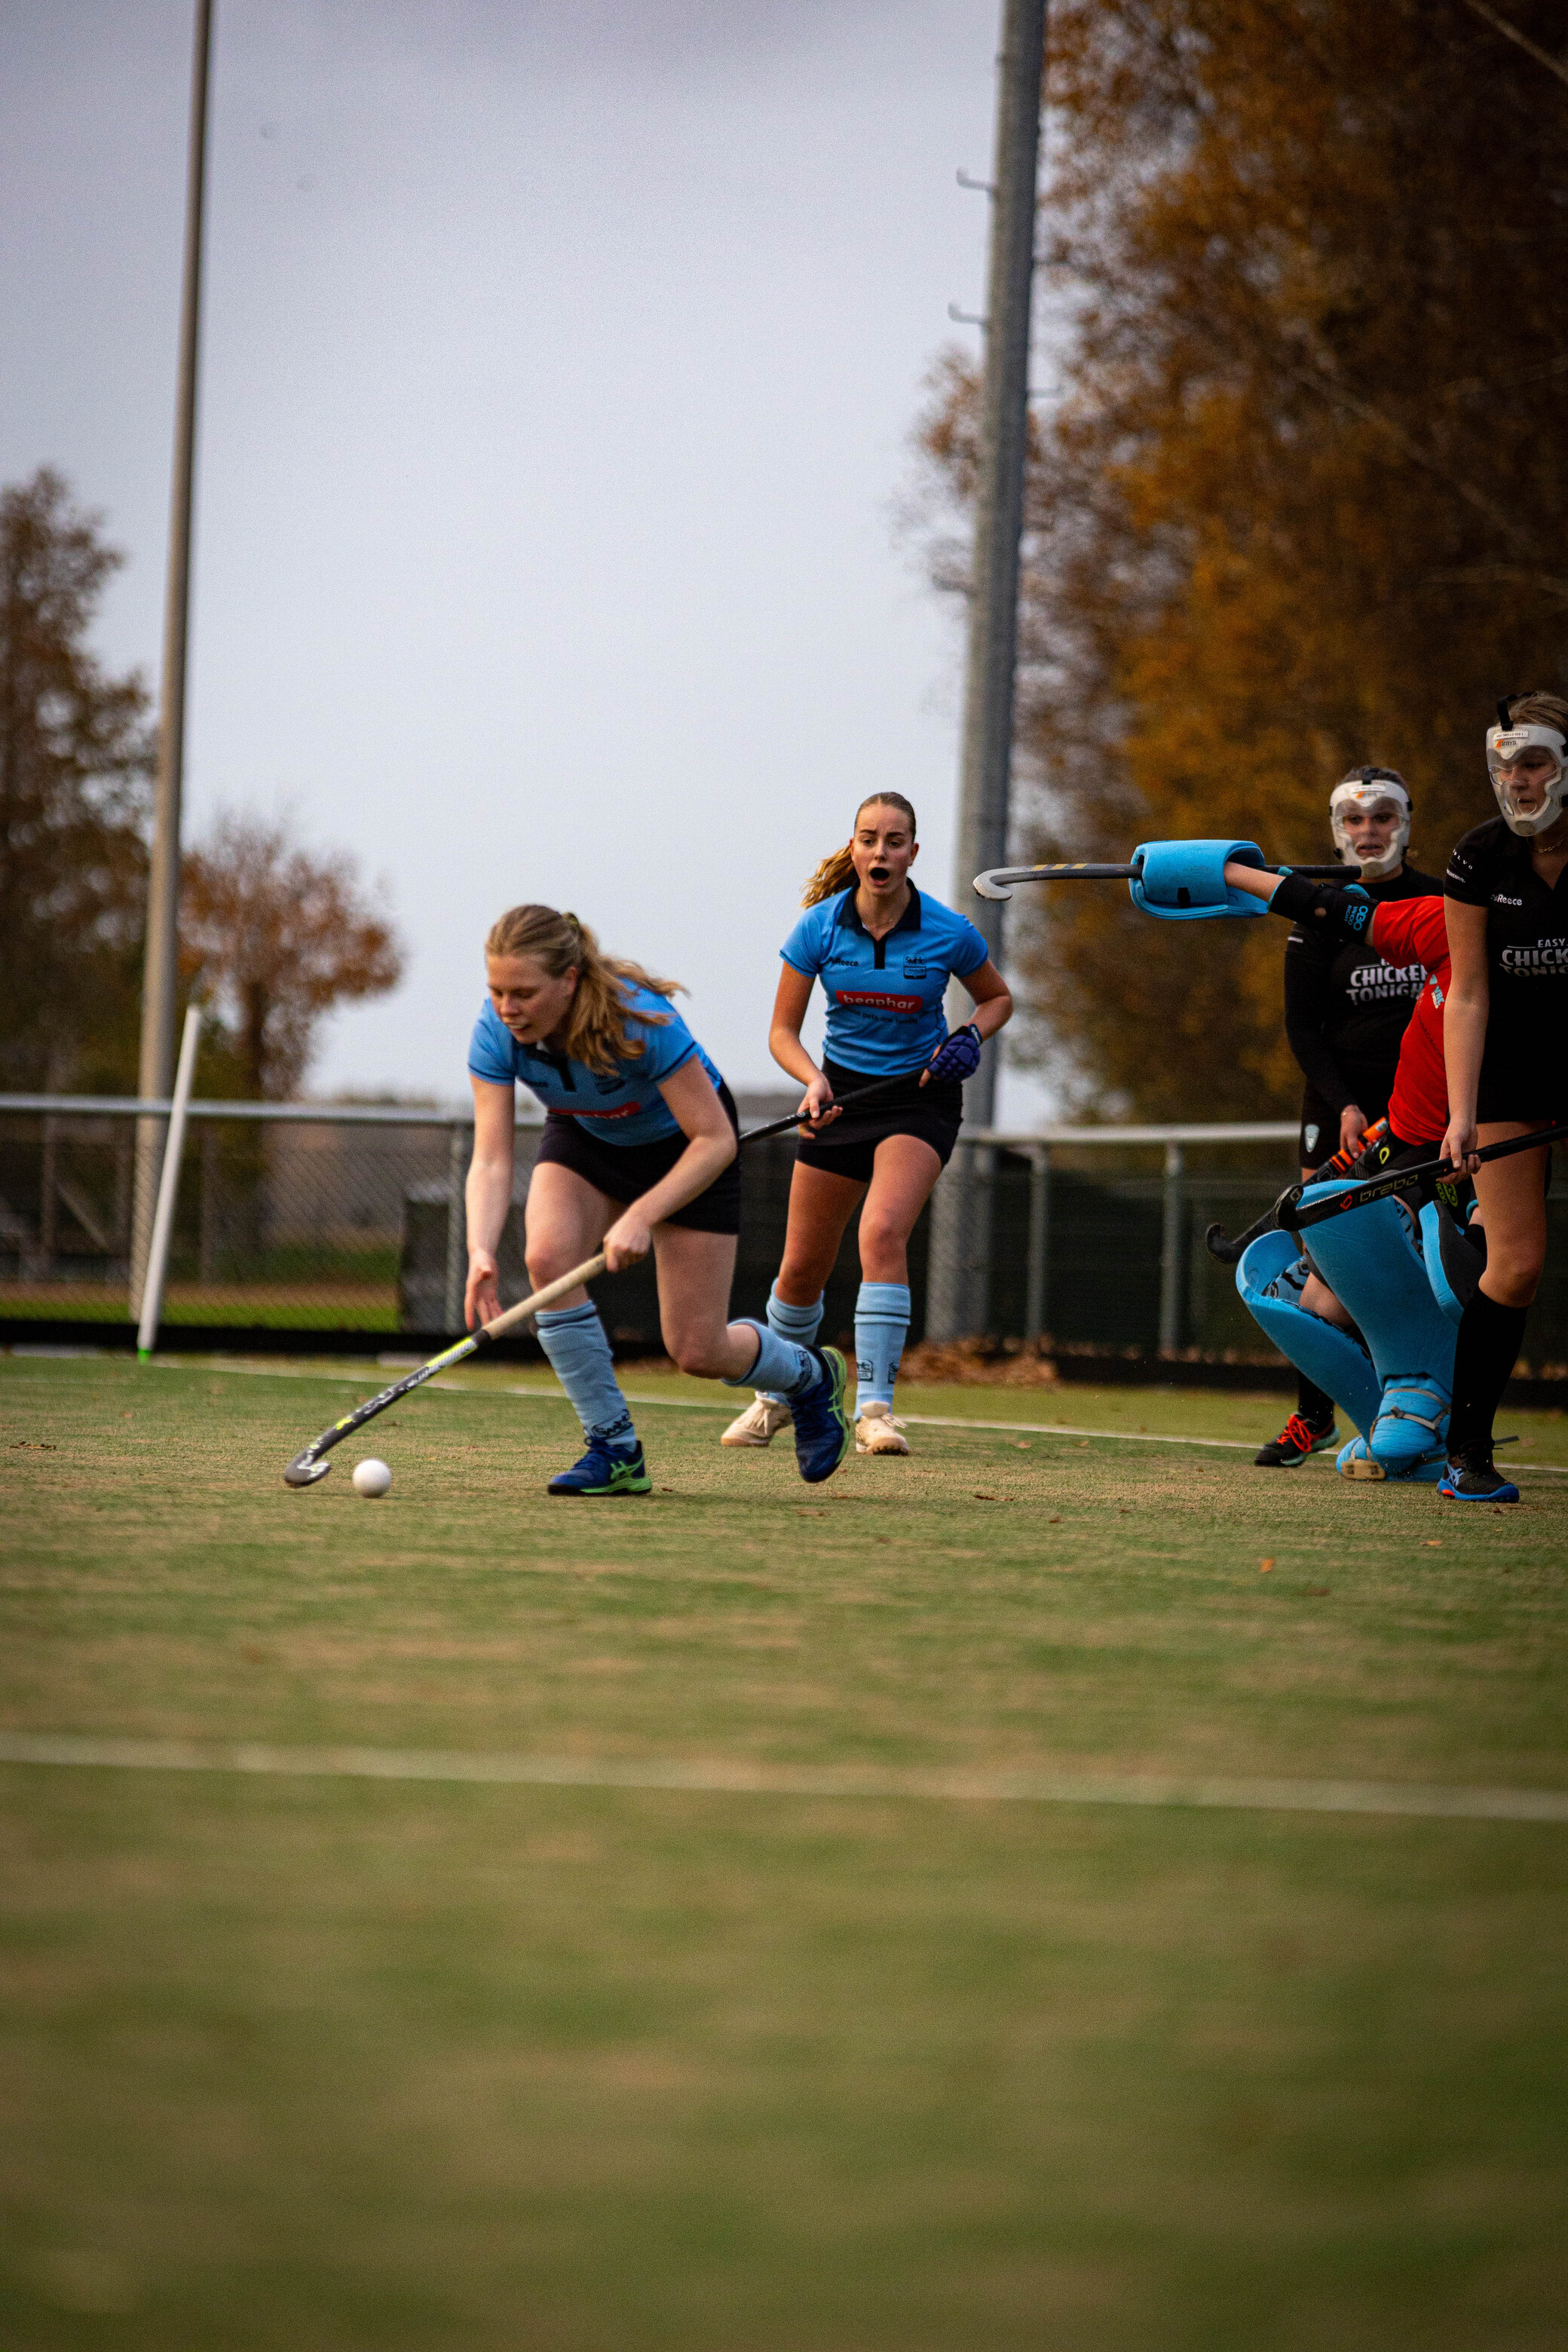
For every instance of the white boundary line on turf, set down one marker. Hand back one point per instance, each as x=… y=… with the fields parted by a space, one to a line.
x=716 y=1778
x=701 y=1404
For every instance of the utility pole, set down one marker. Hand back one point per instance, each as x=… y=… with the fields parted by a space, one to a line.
x=160 y=970
x=960 y=1248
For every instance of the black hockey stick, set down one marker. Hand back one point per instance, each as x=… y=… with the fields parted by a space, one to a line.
x=1288 y=1216
x=1414 y=1179
x=840 y=1102
x=998 y=882
x=310 y=1463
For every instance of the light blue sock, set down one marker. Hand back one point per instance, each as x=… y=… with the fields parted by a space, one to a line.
x=800 y=1324
x=573 y=1338
x=882 y=1325
x=783 y=1367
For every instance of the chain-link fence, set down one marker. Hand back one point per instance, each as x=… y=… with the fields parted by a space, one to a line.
x=349 y=1219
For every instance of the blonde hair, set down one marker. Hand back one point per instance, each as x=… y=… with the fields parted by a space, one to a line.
x=836 y=872
x=1538 y=711
x=595 y=1024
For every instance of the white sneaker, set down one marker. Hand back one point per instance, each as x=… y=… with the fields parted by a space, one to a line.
x=760 y=1423
x=876 y=1431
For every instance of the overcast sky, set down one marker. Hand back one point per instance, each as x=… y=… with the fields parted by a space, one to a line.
x=559 y=364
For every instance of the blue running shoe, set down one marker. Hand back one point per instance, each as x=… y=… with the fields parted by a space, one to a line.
x=605 y=1470
x=823 y=1431
x=1467 y=1480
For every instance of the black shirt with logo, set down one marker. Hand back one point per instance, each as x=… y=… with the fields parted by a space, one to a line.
x=1524 y=1069
x=1346 y=1008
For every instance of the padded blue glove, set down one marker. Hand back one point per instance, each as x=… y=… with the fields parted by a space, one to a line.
x=1183 y=881
x=957 y=1056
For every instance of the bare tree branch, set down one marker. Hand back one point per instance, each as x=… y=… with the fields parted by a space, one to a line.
x=1521 y=40
x=1429 y=462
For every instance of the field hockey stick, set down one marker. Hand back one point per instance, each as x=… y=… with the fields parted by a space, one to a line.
x=1414 y=1179
x=840 y=1102
x=1287 y=1216
x=998 y=882
x=308 y=1465
x=1343 y=1160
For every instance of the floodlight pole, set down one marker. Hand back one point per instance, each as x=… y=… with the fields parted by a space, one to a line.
x=161 y=970
x=960 y=1243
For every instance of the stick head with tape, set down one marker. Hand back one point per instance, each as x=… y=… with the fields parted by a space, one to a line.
x=305 y=1469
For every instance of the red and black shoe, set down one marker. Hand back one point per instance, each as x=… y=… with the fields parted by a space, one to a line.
x=1295 y=1441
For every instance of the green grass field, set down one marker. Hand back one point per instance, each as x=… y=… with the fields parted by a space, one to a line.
x=338 y=2063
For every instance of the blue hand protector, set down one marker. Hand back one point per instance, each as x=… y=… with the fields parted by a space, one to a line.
x=957 y=1056
x=1183 y=881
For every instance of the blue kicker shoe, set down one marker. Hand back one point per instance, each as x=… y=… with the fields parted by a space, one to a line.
x=605 y=1470
x=823 y=1431
x=1469 y=1481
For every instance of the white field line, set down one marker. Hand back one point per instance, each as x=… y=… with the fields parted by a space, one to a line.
x=717 y=1778
x=701 y=1404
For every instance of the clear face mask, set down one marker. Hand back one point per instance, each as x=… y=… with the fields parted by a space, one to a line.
x=1374 y=793
x=1542 y=787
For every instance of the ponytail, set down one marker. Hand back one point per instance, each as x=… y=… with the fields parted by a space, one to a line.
x=595 y=1024
x=836 y=872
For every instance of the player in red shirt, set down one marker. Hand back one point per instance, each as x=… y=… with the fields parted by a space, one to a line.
x=1404 y=932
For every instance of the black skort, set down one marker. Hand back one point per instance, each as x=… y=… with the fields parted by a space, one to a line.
x=848 y=1148
x=625 y=1171
x=1515 y=1085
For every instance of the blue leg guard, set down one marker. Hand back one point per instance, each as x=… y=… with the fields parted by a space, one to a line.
x=1372 y=1261
x=1271 y=1278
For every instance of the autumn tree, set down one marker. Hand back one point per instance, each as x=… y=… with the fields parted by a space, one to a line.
x=75 y=764
x=1303 y=498
x=271 y=939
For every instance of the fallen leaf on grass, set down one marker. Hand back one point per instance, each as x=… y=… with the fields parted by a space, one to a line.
x=1022 y=1444
x=1055 y=1521
x=1264 y=1566
x=1431 y=1543
x=983 y=1498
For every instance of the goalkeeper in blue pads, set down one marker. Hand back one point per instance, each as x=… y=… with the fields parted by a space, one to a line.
x=884 y=953
x=1354 y=1311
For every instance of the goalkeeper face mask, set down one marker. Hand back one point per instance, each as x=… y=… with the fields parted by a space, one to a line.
x=1369 y=815
x=1525 y=765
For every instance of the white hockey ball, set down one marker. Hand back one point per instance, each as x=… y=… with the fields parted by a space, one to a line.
x=372 y=1477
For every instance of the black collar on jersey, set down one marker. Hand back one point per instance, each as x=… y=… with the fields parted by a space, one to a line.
x=910 y=921
x=559 y=1063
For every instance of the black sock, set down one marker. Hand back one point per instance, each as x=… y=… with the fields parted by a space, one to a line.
x=1313 y=1404
x=1490 y=1337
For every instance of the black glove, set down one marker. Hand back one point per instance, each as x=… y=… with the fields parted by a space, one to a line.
x=1311 y=903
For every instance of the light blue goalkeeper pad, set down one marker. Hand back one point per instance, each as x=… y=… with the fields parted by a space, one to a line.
x=1372 y=1262
x=1271 y=1278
